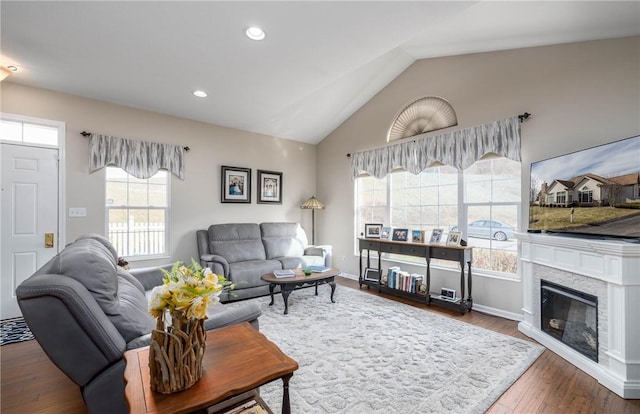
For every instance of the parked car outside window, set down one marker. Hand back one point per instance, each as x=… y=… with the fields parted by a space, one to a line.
x=489 y=229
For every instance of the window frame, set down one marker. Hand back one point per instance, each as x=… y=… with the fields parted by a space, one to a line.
x=462 y=222
x=167 y=210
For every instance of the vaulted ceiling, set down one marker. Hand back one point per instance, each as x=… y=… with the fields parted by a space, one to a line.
x=319 y=63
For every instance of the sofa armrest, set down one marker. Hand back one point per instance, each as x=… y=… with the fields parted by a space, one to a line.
x=323 y=251
x=150 y=277
x=69 y=325
x=217 y=264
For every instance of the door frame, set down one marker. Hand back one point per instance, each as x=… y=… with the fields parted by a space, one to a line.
x=61 y=126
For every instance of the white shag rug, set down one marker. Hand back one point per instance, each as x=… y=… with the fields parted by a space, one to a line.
x=367 y=354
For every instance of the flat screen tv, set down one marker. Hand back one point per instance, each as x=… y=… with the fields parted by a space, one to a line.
x=594 y=192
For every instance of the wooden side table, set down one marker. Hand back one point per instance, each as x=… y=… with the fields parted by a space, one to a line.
x=237 y=359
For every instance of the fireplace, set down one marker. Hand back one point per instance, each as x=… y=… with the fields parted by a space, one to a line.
x=571 y=317
x=575 y=288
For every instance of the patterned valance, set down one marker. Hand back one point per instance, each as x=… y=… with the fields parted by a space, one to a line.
x=459 y=149
x=141 y=159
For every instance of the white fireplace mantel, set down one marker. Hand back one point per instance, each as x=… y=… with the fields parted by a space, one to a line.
x=608 y=269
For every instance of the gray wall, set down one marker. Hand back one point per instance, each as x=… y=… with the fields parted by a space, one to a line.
x=195 y=202
x=580 y=95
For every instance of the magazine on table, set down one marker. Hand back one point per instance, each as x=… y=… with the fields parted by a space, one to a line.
x=284 y=273
x=318 y=269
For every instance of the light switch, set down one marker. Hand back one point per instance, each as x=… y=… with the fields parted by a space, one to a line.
x=77 y=212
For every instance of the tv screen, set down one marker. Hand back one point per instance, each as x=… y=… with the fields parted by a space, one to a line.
x=592 y=192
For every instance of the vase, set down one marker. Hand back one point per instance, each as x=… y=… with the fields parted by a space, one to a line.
x=175 y=353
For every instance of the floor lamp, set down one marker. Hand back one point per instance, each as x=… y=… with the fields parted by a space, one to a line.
x=313 y=204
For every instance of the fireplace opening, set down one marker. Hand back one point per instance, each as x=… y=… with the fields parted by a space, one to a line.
x=571 y=317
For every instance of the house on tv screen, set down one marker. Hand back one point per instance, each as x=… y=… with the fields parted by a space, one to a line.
x=590 y=190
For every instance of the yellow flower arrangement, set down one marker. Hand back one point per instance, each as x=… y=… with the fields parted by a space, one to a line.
x=189 y=290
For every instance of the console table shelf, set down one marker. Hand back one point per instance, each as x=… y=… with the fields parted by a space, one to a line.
x=460 y=254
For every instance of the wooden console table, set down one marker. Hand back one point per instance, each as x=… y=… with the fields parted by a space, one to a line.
x=461 y=254
x=237 y=359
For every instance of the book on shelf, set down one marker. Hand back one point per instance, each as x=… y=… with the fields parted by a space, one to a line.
x=318 y=269
x=284 y=273
x=250 y=407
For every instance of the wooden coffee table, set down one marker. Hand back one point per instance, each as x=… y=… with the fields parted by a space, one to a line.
x=237 y=359
x=288 y=284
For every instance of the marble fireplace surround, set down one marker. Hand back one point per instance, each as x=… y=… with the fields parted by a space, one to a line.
x=608 y=269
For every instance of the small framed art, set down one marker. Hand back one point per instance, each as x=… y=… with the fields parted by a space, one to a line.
x=453 y=239
x=372 y=231
x=236 y=184
x=417 y=236
x=385 y=232
x=436 y=236
x=371 y=274
x=269 y=187
x=400 y=234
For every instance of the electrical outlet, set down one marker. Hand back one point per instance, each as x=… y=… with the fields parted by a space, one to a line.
x=77 y=212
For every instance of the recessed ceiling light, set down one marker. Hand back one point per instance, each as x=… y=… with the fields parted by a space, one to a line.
x=255 y=33
x=200 y=94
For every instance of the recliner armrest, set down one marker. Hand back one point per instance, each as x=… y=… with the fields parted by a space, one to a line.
x=217 y=264
x=323 y=251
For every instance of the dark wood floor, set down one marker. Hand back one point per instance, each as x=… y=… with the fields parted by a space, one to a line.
x=32 y=384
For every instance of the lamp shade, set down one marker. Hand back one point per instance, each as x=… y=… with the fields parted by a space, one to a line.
x=312 y=204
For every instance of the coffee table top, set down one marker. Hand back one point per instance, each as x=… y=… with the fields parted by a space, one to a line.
x=300 y=277
x=237 y=359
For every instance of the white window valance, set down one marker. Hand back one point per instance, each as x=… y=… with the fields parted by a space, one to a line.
x=141 y=159
x=459 y=149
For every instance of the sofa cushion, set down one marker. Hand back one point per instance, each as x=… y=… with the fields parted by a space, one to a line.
x=132 y=318
x=283 y=239
x=247 y=274
x=91 y=263
x=236 y=242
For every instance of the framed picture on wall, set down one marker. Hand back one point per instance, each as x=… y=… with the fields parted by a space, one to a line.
x=235 y=185
x=269 y=187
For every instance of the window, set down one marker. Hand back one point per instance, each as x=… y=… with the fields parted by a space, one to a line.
x=483 y=202
x=29 y=133
x=585 y=196
x=137 y=213
x=562 y=198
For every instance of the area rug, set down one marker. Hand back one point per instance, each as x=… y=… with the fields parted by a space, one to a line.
x=14 y=330
x=368 y=354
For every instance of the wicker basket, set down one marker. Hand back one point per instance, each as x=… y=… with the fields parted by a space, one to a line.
x=175 y=353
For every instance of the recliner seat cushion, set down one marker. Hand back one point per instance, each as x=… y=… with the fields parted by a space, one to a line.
x=247 y=274
x=236 y=242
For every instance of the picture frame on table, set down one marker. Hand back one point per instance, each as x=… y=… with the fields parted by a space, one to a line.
x=235 y=184
x=400 y=235
x=436 y=236
x=269 y=187
x=417 y=236
x=372 y=230
x=454 y=237
x=386 y=231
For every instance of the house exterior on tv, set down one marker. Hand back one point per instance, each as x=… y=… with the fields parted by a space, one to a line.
x=591 y=190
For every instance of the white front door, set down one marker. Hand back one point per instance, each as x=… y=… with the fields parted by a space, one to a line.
x=29 y=213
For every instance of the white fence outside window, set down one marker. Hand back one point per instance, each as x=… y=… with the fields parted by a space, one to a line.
x=137 y=239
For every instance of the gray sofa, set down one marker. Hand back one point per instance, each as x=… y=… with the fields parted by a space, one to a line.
x=85 y=311
x=242 y=252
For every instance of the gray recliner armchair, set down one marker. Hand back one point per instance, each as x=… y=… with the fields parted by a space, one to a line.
x=85 y=311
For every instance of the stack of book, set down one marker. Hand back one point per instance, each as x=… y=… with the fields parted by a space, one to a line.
x=403 y=280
